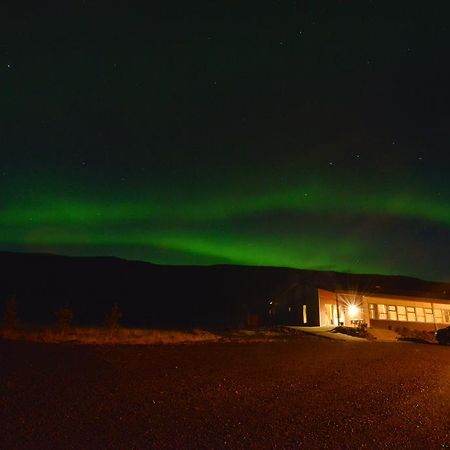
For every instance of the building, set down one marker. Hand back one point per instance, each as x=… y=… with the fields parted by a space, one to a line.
x=388 y=308
x=380 y=310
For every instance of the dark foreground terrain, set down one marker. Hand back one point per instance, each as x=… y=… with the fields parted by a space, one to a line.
x=307 y=392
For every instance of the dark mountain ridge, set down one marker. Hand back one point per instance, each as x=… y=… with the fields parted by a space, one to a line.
x=182 y=296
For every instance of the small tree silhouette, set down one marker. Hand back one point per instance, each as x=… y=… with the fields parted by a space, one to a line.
x=112 y=320
x=10 y=313
x=64 y=318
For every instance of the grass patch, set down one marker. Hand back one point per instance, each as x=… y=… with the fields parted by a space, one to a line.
x=101 y=336
x=262 y=334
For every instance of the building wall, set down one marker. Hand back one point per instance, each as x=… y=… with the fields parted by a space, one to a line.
x=326 y=298
x=383 y=311
x=345 y=308
x=311 y=301
x=411 y=312
x=301 y=307
x=298 y=306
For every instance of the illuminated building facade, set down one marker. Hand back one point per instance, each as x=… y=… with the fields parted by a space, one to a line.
x=379 y=310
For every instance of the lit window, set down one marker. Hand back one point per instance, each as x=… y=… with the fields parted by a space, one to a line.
x=420 y=315
x=305 y=316
x=382 y=312
x=392 y=312
x=401 y=311
x=411 y=314
x=446 y=315
x=372 y=311
x=438 y=315
x=429 y=317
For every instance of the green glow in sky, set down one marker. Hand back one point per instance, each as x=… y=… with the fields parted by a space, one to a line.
x=287 y=227
x=49 y=209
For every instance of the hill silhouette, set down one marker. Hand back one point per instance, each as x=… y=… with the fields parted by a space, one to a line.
x=175 y=296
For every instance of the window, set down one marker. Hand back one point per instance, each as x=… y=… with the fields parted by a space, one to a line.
x=392 y=312
x=305 y=316
x=446 y=315
x=420 y=315
x=429 y=316
x=401 y=311
x=382 y=312
x=438 y=315
x=372 y=314
x=411 y=314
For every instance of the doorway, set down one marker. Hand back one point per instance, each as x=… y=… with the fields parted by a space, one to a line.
x=331 y=315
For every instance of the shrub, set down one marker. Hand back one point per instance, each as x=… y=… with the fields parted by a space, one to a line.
x=362 y=329
x=112 y=320
x=64 y=318
x=10 y=313
x=359 y=331
x=415 y=335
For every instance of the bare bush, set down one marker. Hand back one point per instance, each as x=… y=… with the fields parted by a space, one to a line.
x=64 y=317
x=112 y=320
x=358 y=331
x=408 y=334
x=10 y=314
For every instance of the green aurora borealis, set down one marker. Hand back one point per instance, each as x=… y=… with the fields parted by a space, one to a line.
x=308 y=226
x=287 y=134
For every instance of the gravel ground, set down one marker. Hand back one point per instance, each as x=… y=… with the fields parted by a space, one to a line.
x=307 y=392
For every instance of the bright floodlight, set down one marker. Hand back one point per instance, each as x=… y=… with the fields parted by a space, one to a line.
x=353 y=310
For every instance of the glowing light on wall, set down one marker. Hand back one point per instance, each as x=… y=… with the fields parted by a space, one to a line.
x=353 y=311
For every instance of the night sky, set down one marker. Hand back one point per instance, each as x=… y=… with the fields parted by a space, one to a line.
x=307 y=134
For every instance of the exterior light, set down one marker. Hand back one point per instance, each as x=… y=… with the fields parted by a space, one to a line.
x=353 y=310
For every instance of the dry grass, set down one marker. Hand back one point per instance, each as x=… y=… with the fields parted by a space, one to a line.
x=100 y=336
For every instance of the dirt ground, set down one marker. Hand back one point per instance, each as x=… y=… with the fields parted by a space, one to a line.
x=308 y=392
